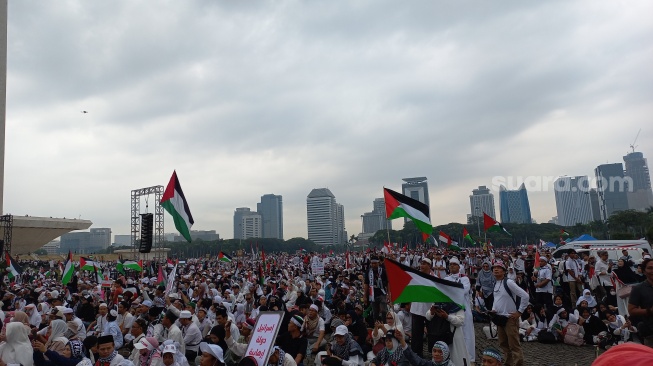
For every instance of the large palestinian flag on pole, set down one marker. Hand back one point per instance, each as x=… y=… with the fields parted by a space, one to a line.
x=174 y=202
x=397 y=205
x=409 y=285
x=224 y=257
x=490 y=224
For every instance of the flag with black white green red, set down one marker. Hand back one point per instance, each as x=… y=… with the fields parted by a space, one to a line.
x=224 y=257
x=490 y=224
x=564 y=232
x=68 y=271
x=12 y=267
x=175 y=203
x=468 y=237
x=398 y=205
x=87 y=264
x=406 y=284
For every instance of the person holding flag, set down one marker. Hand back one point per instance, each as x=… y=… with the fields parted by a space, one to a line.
x=375 y=286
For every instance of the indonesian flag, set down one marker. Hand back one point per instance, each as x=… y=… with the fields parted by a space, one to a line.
x=406 y=284
x=175 y=203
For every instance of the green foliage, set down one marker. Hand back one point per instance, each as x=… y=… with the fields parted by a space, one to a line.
x=200 y=248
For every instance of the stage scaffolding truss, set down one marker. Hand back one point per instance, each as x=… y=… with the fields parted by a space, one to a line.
x=6 y=224
x=157 y=191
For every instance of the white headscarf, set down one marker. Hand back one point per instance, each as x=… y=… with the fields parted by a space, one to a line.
x=17 y=348
x=59 y=328
x=591 y=301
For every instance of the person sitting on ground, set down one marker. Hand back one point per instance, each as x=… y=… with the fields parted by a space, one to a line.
x=148 y=351
x=620 y=327
x=392 y=354
x=343 y=350
x=439 y=353
x=211 y=355
x=592 y=326
x=492 y=357
x=72 y=355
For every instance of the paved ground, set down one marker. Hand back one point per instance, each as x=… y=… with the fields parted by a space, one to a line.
x=538 y=354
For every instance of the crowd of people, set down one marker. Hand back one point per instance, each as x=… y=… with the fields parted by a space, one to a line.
x=336 y=308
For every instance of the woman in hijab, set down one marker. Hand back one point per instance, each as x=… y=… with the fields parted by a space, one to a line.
x=560 y=321
x=56 y=340
x=391 y=323
x=623 y=276
x=439 y=354
x=557 y=305
x=34 y=316
x=239 y=315
x=356 y=326
x=18 y=348
x=587 y=296
x=23 y=318
x=72 y=355
x=391 y=354
x=486 y=280
x=455 y=317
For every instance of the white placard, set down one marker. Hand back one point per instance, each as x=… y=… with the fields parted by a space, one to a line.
x=264 y=335
x=317 y=267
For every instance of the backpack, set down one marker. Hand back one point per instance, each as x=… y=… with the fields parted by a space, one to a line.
x=573 y=336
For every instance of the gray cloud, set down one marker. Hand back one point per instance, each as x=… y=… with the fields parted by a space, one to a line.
x=248 y=98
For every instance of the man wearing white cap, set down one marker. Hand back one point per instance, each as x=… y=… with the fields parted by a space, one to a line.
x=80 y=329
x=191 y=333
x=468 y=327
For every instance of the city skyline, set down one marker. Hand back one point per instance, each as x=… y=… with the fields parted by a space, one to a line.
x=243 y=97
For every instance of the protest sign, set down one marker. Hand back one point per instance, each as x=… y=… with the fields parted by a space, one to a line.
x=264 y=335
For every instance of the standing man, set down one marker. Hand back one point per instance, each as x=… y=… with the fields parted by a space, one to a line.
x=510 y=301
x=191 y=333
x=376 y=283
x=418 y=311
x=640 y=304
x=573 y=277
x=468 y=326
x=543 y=284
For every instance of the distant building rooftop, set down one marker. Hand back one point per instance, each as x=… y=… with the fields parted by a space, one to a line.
x=415 y=180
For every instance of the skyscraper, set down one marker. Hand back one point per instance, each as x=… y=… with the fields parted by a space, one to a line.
x=376 y=220
x=481 y=200
x=514 y=205
x=271 y=210
x=416 y=188
x=573 y=201
x=612 y=188
x=640 y=197
x=247 y=223
x=325 y=218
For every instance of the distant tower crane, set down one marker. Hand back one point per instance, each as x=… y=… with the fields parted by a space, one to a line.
x=633 y=146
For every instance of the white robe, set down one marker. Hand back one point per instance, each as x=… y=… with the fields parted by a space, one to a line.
x=468 y=329
x=458 y=350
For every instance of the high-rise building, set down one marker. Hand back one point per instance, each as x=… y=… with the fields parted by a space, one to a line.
x=83 y=242
x=271 y=210
x=612 y=188
x=515 y=208
x=481 y=200
x=376 y=220
x=325 y=218
x=596 y=208
x=416 y=188
x=640 y=196
x=573 y=201
x=247 y=223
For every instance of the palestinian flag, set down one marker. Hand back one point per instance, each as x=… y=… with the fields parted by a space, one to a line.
x=12 y=267
x=563 y=232
x=86 y=264
x=133 y=265
x=468 y=237
x=397 y=205
x=68 y=271
x=490 y=224
x=406 y=284
x=174 y=202
x=223 y=257
x=98 y=275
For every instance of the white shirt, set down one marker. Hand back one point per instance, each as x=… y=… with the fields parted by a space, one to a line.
x=604 y=279
x=192 y=337
x=572 y=266
x=503 y=303
x=542 y=274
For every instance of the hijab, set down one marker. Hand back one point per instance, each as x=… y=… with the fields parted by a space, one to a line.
x=59 y=328
x=76 y=349
x=394 y=355
x=446 y=356
x=18 y=348
x=591 y=301
x=486 y=279
x=20 y=317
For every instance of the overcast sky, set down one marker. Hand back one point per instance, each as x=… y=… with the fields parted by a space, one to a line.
x=245 y=98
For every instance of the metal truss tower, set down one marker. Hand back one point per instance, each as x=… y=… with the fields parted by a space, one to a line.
x=6 y=225
x=136 y=217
